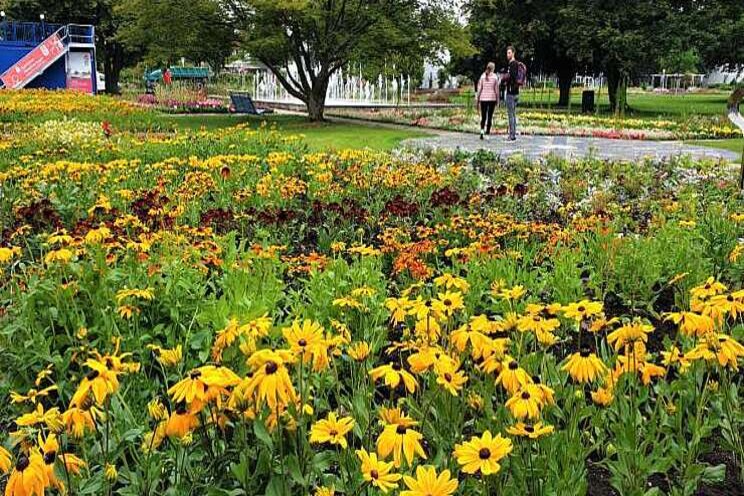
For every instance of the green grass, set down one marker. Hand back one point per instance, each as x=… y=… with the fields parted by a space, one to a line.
x=318 y=136
x=735 y=145
x=642 y=103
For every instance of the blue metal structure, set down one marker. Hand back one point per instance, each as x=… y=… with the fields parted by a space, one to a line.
x=17 y=39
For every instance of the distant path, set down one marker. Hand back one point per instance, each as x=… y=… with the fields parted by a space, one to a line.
x=569 y=147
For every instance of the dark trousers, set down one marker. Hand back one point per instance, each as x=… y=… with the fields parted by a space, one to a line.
x=487 y=109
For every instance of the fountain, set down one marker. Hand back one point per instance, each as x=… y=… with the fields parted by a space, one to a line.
x=346 y=88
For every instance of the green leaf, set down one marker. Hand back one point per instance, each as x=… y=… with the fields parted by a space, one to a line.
x=715 y=474
x=259 y=429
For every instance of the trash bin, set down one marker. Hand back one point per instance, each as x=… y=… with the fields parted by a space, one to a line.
x=587 y=102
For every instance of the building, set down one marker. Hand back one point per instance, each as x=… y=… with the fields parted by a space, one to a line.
x=43 y=55
x=725 y=75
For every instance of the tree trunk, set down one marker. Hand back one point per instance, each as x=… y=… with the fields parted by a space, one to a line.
x=613 y=80
x=316 y=100
x=315 y=109
x=622 y=96
x=112 y=65
x=565 y=80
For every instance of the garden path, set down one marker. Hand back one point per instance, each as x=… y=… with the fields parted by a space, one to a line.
x=533 y=147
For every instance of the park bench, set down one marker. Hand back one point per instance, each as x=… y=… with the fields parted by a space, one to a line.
x=243 y=104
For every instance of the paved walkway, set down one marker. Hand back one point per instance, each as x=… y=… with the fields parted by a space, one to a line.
x=568 y=147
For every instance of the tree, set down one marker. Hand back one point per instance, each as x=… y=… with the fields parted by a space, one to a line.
x=168 y=30
x=305 y=42
x=531 y=26
x=99 y=13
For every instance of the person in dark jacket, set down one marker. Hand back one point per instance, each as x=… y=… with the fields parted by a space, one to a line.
x=511 y=79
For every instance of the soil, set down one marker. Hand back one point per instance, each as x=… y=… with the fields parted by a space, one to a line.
x=598 y=478
x=731 y=486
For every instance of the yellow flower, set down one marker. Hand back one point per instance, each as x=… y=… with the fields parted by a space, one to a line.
x=524 y=404
x=7 y=254
x=582 y=310
x=629 y=334
x=359 y=351
x=482 y=454
x=5 y=461
x=398 y=308
x=449 y=282
x=63 y=255
x=448 y=303
x=691 y=323
x=401 y=441
x=675 y=356
x=110 y=472
x=512 y=377
x=78 y=420
x=377 y=472
x=394 y=374
x=711 y=287
x=28 y=477
x=100 y=381
x=509 y=294
x=167 y=357
x=331 y=430
x=451 y=379
x=306 y=340
x=584 y=366
x=207 y=383
x=51 y=418
x=157 y=410
x=429 y=483
x=531 y=431
x=270 y=381
x=324 y=491
x=181 y=422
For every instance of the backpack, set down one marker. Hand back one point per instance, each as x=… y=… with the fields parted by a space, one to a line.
x=521 y=74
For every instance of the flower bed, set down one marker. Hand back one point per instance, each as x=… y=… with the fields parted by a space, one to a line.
x=222 y=312
x=556 y=123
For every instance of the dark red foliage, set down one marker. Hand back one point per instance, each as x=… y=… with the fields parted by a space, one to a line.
x=445 y=197
x=400 y=207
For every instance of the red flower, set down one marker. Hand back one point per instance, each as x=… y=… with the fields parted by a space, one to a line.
x=107 y=130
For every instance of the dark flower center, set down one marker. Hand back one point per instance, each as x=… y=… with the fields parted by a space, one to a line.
x=396 y=366
x=584 y=353
x=374 y=474
x=525 y=395
x=484 y=453
x=23 y=463
x=271 y=367
x=513 y=365
x=333 y=433
x=581 y=309
x=730 y=298
x=447 y=302
x=195 y=374
x=50 y=457
x=302 y=342
x=528 y=428
x=92 y=375
x=448 y=377
x=109 y=363
x=401 y=429
x=181 y=409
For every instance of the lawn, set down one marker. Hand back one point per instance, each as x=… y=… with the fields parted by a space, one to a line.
x=642 y=103
x=735 y=145
x=318 y=136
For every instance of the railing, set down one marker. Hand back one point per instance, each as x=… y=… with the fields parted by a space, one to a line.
x=81 y=33
x=31 y=33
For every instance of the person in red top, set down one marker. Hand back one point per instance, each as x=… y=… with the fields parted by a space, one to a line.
x=487 y=97
x=167 y=77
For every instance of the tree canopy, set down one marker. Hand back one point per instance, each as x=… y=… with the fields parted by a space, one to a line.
x=304 y=42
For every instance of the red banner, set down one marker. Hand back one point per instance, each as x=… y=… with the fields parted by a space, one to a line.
x=80 y=84
x=34 y=62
